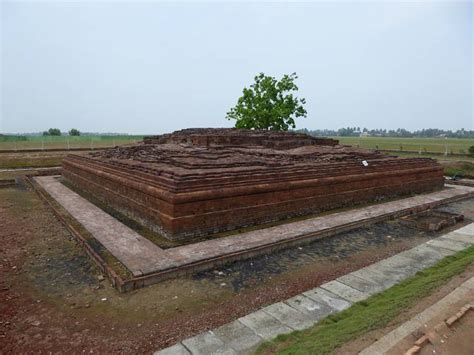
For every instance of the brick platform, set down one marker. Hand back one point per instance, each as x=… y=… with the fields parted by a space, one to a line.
x=202 y=181
x=151 y=264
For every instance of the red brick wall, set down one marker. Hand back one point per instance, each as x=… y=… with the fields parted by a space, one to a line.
x=192 y=213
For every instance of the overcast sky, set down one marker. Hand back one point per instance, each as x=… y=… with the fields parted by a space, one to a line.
x=155 y=67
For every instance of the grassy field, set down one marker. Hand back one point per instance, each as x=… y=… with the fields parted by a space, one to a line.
x=64 y=142
x=375 y=312
x=423 y=145
x=462 y=168
x=21 y=159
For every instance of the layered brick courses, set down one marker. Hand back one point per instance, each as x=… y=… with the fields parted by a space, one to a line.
x=200 y=181
x=206 y=137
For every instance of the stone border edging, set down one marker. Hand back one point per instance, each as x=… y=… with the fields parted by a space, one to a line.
x=245 y=334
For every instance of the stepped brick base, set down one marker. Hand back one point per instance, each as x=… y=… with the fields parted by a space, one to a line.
x=201 y=181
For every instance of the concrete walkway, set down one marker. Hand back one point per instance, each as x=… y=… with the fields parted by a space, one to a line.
x=137 y=253
x=243 y=335
x=466 y=182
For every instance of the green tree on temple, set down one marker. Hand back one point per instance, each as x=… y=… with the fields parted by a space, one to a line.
x=268 y=104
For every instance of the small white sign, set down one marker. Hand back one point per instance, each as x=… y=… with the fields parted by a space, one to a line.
x=364 y=163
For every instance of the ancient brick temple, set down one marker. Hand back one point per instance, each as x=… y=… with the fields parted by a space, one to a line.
x=199 y=181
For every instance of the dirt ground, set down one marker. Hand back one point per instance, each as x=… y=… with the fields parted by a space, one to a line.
x=52 y=298
x=457 y=340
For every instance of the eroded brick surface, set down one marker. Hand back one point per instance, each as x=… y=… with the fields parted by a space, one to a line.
x=200 y=181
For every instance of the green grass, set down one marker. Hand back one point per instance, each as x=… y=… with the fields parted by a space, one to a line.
x=64 y=142
x=465 y=169
x=439 y=157
x=453 y=165
x=29 y=163
x=375 y=312
x=423 y=145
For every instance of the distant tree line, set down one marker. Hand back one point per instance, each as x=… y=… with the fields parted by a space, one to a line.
x=57 y=132
x=400 y=132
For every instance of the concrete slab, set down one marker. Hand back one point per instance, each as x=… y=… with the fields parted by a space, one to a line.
x=441 y=251
x=177 y=349
x=469 y=284
x=204 y=343
x=224 y=351
x=312 y=309
x=363 y=285
x=391 y=275
x=289 y=316
x=330 y=299
x=265 y=325
x=448 y=244
x=398 y=261
x=469 y=229
x=238 y=337
x=379 y=278
x=425 y=254
x=406 y=264
x=395 y=268
x=460 y=237
x=344 y=291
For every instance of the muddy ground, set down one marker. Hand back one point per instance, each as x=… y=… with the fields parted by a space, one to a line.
x=52 y=298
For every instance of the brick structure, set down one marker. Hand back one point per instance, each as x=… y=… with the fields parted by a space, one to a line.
x=199 y=181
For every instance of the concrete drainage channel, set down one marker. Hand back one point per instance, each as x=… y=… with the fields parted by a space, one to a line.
x=243 y=335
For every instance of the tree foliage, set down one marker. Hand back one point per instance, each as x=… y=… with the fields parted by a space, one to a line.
x=52 y=132
x=74 y=132
x=268 y=104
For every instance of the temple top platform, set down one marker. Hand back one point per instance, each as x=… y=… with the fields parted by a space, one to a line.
x=233 y=137
x=203 y=159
